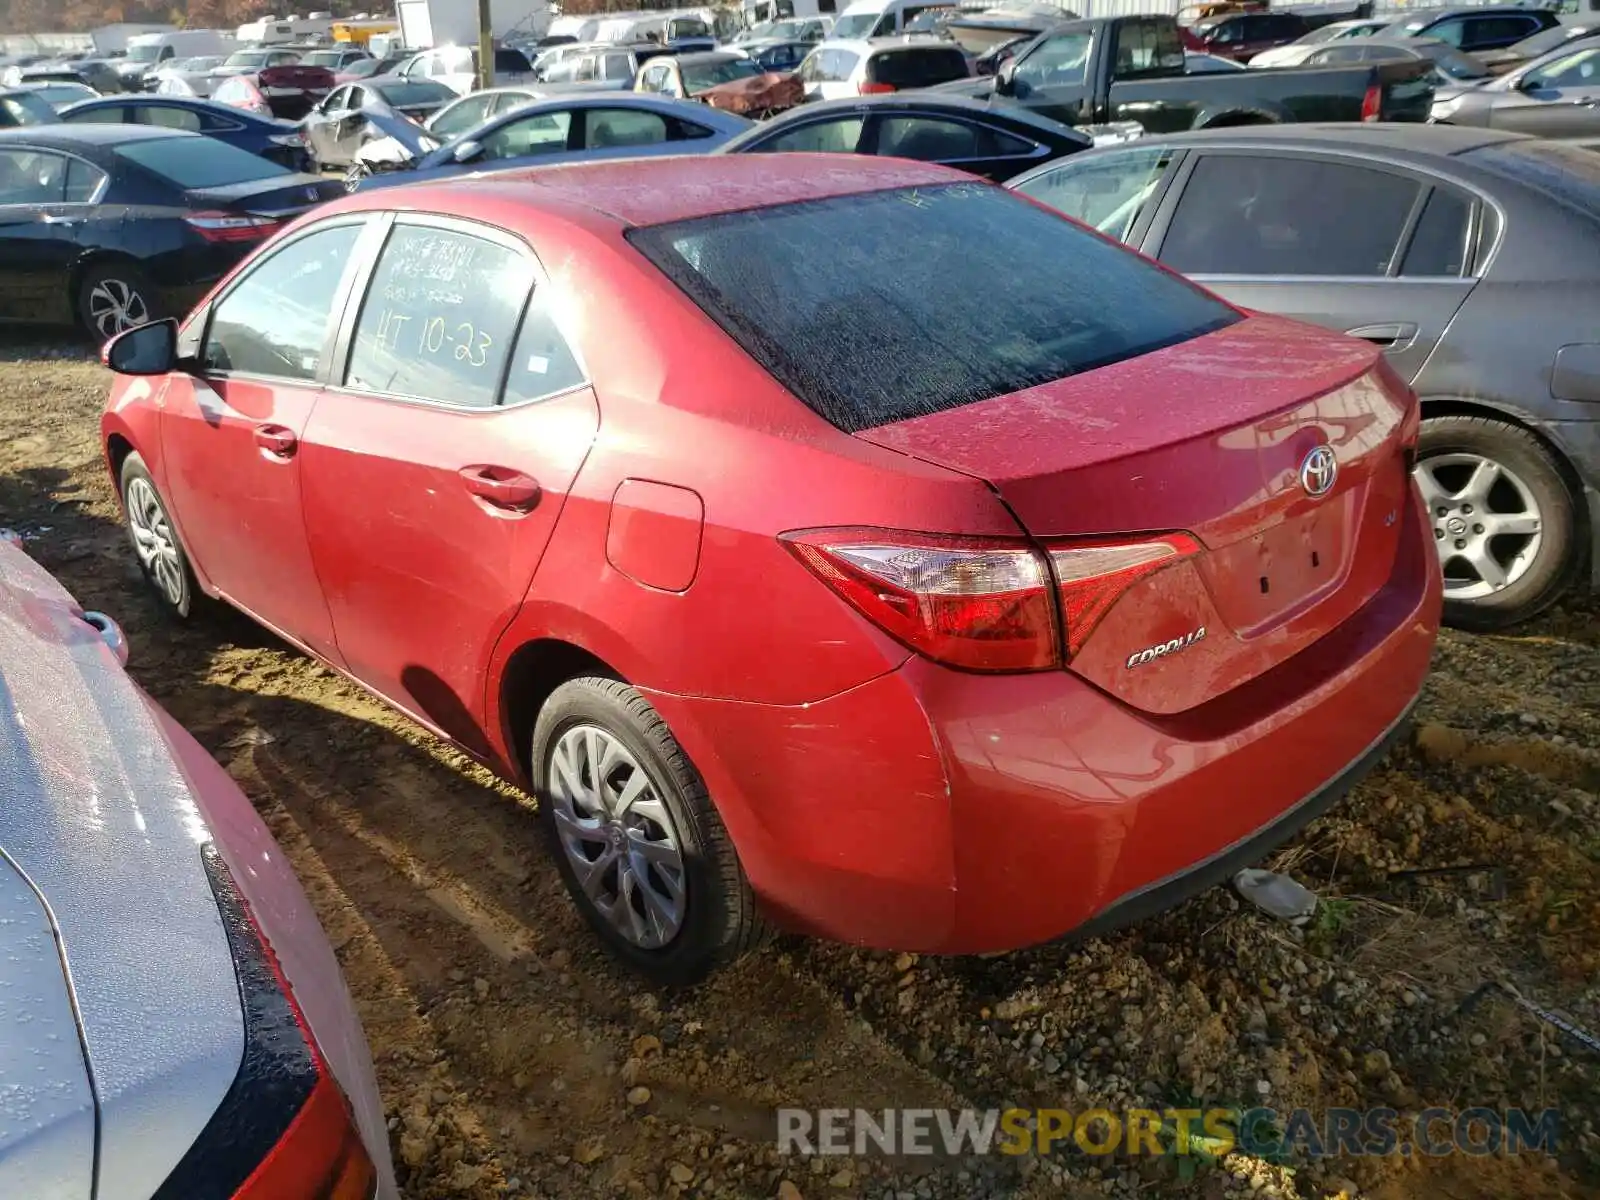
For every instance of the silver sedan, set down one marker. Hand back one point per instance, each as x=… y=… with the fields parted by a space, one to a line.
x=173 y=1023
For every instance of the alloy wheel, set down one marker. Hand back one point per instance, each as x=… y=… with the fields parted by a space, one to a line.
x=114 y=305
x=618 y=836
x=1487 y=525
x=153 y=540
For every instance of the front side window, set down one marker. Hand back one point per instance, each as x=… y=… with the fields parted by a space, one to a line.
x=1058 y=62
x=168 y=119
x=1108 y=192
x=438 y=319
x=817 y=137
x=541 y=133
x=274 y=321
x=790 y=283
x=1258 y=215
x=33 y=177
x=1451 y=33
x=1580 y=70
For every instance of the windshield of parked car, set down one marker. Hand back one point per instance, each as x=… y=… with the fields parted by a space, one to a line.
x=1454 y=65
x=413 y=92
x=323 y=58
x=189 y=65
x=198 y=162
x=249 y=59
x=787 y=29
x=1567 y=173
x=1547 y=39
x=883 y=306
x=147 y=53
x=697 y=77
x=855 y=25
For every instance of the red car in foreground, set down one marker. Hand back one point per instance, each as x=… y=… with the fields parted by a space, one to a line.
x=826 y=540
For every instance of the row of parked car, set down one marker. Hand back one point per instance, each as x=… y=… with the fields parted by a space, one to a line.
x=147 y=212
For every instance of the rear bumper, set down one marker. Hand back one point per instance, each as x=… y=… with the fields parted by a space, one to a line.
x=943 y=812
x=1225 y=864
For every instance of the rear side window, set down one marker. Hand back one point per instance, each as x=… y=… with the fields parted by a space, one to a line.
x=933 y=139
x=1439 y=246
x=880 y=307
x=25 y=108
x=438 y=318
x=916 y=68
x=829 y=66
x=1259 y=215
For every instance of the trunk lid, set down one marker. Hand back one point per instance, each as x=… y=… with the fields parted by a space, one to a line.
x=281 y=197
x=1211 y=438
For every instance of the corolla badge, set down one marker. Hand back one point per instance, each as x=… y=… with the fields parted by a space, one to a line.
x=1150 y=653
x=1318 y=471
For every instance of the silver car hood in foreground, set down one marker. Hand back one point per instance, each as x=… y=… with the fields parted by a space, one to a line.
x=98 y=824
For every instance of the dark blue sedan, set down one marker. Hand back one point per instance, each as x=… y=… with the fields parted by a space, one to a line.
x=277 y=141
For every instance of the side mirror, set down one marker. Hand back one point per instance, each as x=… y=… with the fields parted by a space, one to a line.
x=1005 y=79
x=143 y=350
x=467 y=151
x=1529 y=83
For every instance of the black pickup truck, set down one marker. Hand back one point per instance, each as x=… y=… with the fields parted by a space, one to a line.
x=1119 y=69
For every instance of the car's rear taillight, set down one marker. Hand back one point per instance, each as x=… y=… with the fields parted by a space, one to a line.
x=983 y=604
x=1372 y=103
x=977 y=603
x=284 y=1128
x=1092 y=576
x=874 y=89
x=230 y=227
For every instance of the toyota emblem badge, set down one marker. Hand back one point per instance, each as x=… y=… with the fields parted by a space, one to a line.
x=1318 y=471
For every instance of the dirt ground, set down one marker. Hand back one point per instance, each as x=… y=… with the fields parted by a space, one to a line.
x=516 y=1061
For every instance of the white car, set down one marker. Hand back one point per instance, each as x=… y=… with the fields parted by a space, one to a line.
x=836 y=70
x=1296 y=51
x=188 y=76
x=457 y=67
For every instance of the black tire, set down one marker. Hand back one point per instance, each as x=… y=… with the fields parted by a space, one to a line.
x=174 y=583
x=109 y=288
x=720 y=922
x=1551 y=570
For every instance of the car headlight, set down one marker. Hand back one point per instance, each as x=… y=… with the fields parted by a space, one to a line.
x=1444 y=109
x=287 y=139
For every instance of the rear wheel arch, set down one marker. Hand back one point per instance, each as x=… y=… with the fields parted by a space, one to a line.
x=531 y=675
x=1449 y=406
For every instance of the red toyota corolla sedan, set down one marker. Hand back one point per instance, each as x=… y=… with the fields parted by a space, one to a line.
x=828 y=541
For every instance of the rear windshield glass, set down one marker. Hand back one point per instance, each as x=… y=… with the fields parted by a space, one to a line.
x=888 y=305
x=1568 y=173
x=192 y=161
x=917 y=68
x=415 y=91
